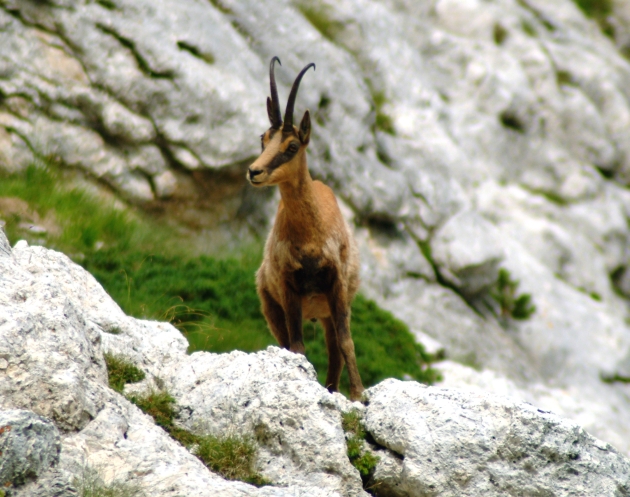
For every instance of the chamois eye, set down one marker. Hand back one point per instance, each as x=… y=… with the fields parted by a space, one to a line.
x=293 y=148
x=262 y=142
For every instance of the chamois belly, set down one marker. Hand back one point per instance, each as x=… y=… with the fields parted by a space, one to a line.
x=315 y=307
x=313 y=281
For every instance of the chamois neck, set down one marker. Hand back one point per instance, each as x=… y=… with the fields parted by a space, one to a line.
x=301 y=214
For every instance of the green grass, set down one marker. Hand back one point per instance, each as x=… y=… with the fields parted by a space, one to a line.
x=90 y=484
x=157 y=404
x=121 y=372
x=82 y=221
x=500 y=34
x=212 y=301
x=360 y=458
x=232 y=456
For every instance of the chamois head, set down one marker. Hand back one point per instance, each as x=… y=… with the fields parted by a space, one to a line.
x=283 y=144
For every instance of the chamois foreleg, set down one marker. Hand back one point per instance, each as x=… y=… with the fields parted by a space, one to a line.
x=293 y=311
x=340 y=314
x=335 y=359
x=276 y=319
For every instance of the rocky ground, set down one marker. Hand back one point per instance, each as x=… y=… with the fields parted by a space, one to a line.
x=462 y=136
x=59 y=418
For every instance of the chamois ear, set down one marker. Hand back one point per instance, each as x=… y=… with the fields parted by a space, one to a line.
x=305 y=128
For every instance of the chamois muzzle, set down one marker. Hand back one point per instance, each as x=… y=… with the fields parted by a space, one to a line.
x=253 y=173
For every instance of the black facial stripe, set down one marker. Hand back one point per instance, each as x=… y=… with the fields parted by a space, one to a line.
x=281 y=158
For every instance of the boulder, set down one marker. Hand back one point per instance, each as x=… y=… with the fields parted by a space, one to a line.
x=448 y=443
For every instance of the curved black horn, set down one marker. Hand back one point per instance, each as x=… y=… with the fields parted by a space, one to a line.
x=274 y=109
x=288 y=114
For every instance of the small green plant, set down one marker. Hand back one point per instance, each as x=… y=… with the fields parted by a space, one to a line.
x=500 y=34
x=600 y=11
x=564 y=78
x=157 y=404
x=121 y=372
x=615 y=378
x=360 y=458
x=528 y=28
x=90 y=484
x=511 y=304
x=511 y=121
x=160 y=405
x=231 y=456
x=321 y=21
x=383 y=122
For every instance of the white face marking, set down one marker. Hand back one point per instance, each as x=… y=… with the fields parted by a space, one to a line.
x=264 y=159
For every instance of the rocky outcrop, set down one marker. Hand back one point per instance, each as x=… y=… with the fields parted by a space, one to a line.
x=462 y=136
x=56 y=323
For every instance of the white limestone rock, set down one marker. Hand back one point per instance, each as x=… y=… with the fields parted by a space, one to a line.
x=468 y=250
x=448 y=443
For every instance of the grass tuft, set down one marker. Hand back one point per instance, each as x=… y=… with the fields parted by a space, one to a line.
x=362 y=459
x=500 y=34
x=511 y=121
x=157 y=404
x=121 y=372
x=510 y=304
x=90 y=484
x=232 y=456
x=351 y=423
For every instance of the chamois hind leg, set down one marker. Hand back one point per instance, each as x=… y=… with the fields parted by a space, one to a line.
x=335 y=359
x=340 y=315
x=274 y=314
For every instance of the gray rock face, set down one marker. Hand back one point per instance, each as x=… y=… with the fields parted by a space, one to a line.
x=29 y=445
x=448 y=443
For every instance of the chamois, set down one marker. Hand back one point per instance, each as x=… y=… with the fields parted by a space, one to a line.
x=310 y=268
